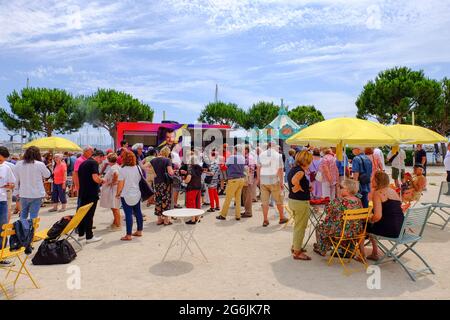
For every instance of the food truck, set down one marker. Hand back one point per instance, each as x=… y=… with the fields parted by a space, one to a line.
x=153 y=134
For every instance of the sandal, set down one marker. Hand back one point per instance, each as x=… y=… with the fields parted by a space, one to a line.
x=301 y=256
x=168 y=224
x=136 y=234
x=301 y=250
x=210 y=210
x=126 y=238
x=265 y=223
x=284 y=220
x=160 y=223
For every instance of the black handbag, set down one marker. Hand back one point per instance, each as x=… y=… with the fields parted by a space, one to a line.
x=146 y=191
x=54 y=252
x=58 y=227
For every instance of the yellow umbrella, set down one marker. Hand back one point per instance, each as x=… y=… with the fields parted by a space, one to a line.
x=343 y=131
x=409 y=134
x=53 y=143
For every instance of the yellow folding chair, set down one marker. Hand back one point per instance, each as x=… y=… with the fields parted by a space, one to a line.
x=350 y=245
x=71 y=226
x=6 y=253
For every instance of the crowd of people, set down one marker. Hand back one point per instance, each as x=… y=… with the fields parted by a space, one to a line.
x=243 y=174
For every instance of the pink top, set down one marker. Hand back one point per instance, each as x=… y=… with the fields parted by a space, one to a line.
x=59 y=173
x=78 y=162
x=329 y=162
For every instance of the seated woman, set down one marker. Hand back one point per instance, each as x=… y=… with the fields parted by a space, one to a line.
x=414 y=186
x=333 y=223
x=387 y=219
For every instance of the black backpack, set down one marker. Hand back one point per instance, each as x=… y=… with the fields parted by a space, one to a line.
x=54 y=252
x=58 y=227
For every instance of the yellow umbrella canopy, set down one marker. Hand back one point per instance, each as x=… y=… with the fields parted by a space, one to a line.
x=409 y=134
x=53 y=143
x=342 y=131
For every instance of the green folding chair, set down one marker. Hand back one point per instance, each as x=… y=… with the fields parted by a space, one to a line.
x=410 y=235
x=442 y=206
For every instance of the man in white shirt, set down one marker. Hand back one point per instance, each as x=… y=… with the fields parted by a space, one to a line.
x=270 y=178
x=7 y=181
x=397 y=160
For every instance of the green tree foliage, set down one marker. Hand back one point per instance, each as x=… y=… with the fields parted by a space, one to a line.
x=222 y=113
x=260 y=115
x=106 y=107
x=439 y=118
x=306 y=115
x=43 y=111
x=397 y=92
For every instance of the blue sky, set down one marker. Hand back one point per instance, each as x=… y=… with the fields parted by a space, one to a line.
x=170 y=54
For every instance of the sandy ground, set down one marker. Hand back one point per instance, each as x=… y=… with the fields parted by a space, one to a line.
x=245 y=261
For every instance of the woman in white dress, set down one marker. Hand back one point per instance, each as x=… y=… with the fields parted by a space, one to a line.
x=108 y=197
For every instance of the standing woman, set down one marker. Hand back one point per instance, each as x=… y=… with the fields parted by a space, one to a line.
x=130 y=195
x=299 y=196
x=108 y=193
x=376 y=166
x=163 y=193
x=59 y=184
x=30 y=173
x=313 y=169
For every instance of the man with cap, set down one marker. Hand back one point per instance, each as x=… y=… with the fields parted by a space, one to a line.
x=362 y=171
x=89 y=187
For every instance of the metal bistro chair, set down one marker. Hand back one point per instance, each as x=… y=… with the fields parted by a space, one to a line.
x=410 y=234
x=442 y=205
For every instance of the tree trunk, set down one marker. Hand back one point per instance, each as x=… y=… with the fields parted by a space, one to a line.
x=113 y=134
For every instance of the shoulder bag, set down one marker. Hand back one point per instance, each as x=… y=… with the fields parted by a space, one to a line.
x=144 y=188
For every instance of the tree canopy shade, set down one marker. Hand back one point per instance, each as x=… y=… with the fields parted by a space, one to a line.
x=306 y=115
x=106 y=107
x=397 y=92
x=260 y=115
x=43 y=111
x=222 y=113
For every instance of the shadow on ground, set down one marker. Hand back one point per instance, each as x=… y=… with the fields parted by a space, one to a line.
x=171 y=268
x=394 y=281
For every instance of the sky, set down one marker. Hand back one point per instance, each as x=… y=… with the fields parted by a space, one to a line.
x=171 y=53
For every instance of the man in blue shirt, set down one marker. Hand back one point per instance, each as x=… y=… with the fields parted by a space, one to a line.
x=235 y=175
x=362 y=171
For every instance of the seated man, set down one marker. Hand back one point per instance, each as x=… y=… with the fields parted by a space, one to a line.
x=333 y=223
x=414 y=185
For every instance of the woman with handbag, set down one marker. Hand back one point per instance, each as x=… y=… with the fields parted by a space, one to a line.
x=163 y=185
x=128 y=190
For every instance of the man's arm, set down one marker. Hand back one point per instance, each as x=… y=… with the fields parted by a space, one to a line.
x=96 y=178
x=45 y=171
x=76 y=182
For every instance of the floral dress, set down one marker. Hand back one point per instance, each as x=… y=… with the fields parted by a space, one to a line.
x=332 y=224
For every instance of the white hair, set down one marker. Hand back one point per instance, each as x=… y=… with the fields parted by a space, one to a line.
x=137 y=146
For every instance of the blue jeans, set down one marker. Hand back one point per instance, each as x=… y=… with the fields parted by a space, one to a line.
x=3 y=217
x=129 y=211
x=365 y=199
x=30 y=206
x=58 y=194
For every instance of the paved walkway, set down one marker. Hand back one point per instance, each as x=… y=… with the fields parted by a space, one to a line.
x=246 y=261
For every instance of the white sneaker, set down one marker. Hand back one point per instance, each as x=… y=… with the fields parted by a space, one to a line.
x=94 y=239
x=81 y=238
